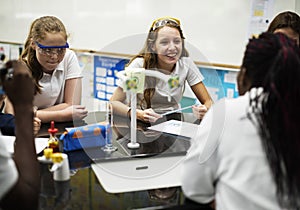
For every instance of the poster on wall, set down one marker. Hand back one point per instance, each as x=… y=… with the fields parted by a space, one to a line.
x=86 y=61
x=105 y=75
x=261 y=12
x=10 y=51
x=87 y=70
x=4 y=52
x=220 y=83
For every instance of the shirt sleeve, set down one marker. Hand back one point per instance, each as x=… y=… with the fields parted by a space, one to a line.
x=8 y=170
x=72 y=65
x=137 y=63
x=194 y=75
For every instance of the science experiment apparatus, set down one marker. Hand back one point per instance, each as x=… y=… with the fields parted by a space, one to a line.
x=134 y=83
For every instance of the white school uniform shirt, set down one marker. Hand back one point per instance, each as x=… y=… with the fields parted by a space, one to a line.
x=8 y=170
x=53 y=86
x=226 y=161
x=187 y=71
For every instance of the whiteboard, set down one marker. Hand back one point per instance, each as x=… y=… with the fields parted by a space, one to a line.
x=215 y=30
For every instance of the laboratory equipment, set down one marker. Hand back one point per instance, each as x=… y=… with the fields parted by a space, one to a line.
x=134 y=83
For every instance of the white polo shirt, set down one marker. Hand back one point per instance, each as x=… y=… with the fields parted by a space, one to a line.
x=8 y=171
x=185 y=68
x=227 y=162
x=53 y=85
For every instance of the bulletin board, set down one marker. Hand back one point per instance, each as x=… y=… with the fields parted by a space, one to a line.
x=220 y=83
x=105 y=75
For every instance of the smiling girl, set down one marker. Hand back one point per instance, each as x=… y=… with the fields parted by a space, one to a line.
x=164 y=51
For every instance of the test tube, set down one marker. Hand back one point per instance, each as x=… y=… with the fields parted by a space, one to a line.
x=109 y=147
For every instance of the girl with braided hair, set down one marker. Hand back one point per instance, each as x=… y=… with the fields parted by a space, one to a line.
x=246 y=152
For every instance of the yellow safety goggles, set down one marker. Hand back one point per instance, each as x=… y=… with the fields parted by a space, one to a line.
x=160 y=22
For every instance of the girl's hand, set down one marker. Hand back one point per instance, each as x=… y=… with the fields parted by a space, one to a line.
x=147 y=115
x=75 y=112
x=199 y=111
x=36 y=125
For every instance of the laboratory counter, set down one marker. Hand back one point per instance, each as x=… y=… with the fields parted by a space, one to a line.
x=85 y=191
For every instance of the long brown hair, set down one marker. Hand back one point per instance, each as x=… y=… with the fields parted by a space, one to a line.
x=286 y=19
x=151 y=60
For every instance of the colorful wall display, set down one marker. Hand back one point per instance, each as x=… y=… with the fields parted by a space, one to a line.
x=220 y=83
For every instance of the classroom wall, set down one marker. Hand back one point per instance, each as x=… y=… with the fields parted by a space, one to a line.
x=218 y=29
x=297 y=6
x=216 y=33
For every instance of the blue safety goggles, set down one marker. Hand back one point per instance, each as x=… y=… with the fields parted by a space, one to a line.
x=51 y=50
x=50 y=47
